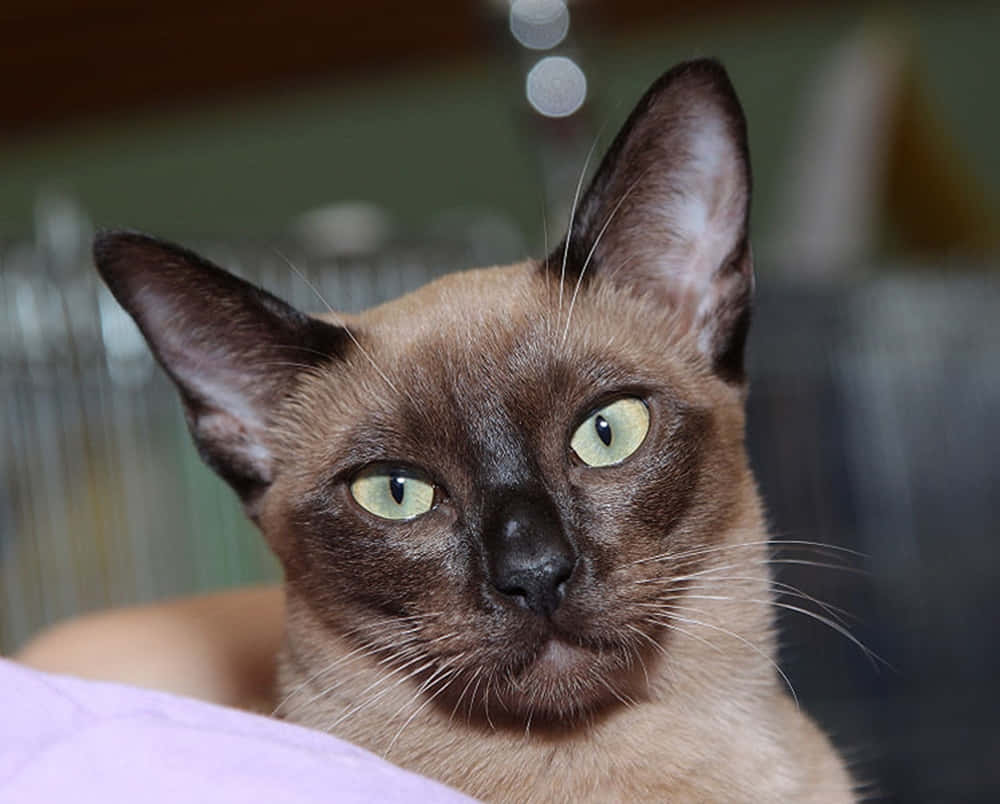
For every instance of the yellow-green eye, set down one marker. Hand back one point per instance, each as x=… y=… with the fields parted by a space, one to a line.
x=613 y=433
x=392 y=493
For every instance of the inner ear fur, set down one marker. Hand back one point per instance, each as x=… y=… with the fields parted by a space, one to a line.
x=232 y=349
x=667 y=211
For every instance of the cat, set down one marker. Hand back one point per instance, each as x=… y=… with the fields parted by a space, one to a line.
x=523 y=550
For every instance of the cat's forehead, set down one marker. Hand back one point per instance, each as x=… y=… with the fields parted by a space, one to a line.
x=510 y=341
x=518 y=324
x=457 y=300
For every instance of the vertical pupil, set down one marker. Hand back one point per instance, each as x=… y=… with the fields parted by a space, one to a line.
x=603 y=430
x=396 y=488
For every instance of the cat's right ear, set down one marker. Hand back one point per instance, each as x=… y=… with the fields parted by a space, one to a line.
x=233 y=350
x=667 y=211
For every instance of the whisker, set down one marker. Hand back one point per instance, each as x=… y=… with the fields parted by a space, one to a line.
x=297 y=347
x=829 y=621
x=754 y=563
x=674 y=627
x=624 y=700
x=365 y=649
x=547 y=272
x=572 y=217
x=486 y=700
x=412 y=650
x=818 y=564
x=872 y=656
x=446 y=678
x=593 y=248
x=611 y=273
x=461 y=695
x=472 y=699
x=700 y=551
x=371 y=650
x=742 y=639
x=638 y=655
x=781 y=588
x=286 y=364
x=820 y=547
x=382 y=693
x=300 y=348
x=325 y=670
x=343 y=324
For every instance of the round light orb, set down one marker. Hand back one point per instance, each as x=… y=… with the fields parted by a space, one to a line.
x=539 y=24
x=556 y=87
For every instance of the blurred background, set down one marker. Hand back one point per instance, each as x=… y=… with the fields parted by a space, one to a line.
x=378 y=144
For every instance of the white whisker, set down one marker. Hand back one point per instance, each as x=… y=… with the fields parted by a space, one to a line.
x=424 y=688
x=834 y=612
x=486 y=701
x=590 y=254
x=343 y=325
x=744 y=640
x=668 y=556
x=461 y=695
x=400 y=651
x=572 y=218
x=836 y=626
x=638 y=655
x=323 y=671
x=754 y=563
x=382 y=693
x=472 y=699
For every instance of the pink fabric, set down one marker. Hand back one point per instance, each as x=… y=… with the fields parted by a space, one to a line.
x=67 y=740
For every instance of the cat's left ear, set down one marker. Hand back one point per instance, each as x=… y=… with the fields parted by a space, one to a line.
x=667 y=211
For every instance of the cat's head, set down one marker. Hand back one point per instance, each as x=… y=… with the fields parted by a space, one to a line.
x=509 y=474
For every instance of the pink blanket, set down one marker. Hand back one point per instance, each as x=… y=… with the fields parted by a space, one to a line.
x=67 y=740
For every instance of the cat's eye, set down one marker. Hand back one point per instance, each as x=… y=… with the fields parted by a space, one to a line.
x=392 y=493
x=611 y=434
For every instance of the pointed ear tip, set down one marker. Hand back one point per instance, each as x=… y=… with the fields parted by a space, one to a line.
x=701 y=74
x=118 y=252
x=710 y=67
x=106 y=251
x=109 y=244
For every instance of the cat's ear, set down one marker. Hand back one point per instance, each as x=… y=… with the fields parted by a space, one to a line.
x=667 y=211
x=232 y=349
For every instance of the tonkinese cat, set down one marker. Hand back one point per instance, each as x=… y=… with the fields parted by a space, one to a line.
x=523 y=550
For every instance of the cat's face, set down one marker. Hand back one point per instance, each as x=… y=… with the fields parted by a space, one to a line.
x=528 y=562
x=501 y=482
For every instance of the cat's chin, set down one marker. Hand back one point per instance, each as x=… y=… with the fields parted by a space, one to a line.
x=566 y=681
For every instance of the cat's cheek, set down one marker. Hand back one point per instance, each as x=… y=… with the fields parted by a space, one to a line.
x=428 y=537
x=338 y=544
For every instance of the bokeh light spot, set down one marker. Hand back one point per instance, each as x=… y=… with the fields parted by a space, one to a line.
x=539 y=24
x=556 y=86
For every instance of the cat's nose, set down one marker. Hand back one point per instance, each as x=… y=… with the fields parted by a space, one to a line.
x=530 y=559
